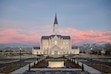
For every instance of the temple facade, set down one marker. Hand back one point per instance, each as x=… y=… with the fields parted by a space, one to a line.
x=55 y=44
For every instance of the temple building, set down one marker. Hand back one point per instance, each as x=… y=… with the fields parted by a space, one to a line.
x=55 y=44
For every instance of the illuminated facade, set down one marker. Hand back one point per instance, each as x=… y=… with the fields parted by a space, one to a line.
x=55 y=44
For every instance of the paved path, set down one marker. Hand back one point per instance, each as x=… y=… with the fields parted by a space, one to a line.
x=90 y=69
x=23 y=69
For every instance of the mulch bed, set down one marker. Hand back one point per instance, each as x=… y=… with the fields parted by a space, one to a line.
x=68 y=63
x=44 y=64
x=41 y=64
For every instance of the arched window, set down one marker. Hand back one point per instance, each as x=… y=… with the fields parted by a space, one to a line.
x=55 y=42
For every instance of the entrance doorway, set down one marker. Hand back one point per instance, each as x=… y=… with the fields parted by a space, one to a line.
x=55 y=52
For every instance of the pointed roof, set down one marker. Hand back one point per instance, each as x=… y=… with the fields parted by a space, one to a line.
x=59 y=36
x=55 y=21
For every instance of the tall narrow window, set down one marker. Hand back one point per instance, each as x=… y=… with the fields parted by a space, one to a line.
x=55 y=42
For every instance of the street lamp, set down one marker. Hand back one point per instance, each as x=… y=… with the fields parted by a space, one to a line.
x=91 y=52
x=91 y=49
x=20 y=57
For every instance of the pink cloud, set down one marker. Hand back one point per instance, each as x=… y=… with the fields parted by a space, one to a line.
x=34 y=36
x=16 y=36
x=30 y=34
x=78 y=36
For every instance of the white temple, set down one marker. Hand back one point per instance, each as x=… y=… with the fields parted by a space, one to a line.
x=55 y=44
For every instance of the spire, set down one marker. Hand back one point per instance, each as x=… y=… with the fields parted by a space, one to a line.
x=55 y=21
x=55 y=26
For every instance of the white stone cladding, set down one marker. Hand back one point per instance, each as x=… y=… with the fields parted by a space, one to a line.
x=55 y=44
x=59 y=42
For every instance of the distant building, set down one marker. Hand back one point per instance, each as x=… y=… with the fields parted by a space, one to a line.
x=55 y=44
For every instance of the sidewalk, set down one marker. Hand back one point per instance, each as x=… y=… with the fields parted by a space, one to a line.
x=86 y=68
x=23 y=69
x=89 y=69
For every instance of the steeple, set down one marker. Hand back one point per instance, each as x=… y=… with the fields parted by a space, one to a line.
x=55 y=26
x=55 y=21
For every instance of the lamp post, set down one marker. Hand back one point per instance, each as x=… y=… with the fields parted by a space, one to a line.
x=91 y=52
x=20 y=57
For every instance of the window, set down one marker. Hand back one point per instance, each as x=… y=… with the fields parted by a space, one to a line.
x=55 y=42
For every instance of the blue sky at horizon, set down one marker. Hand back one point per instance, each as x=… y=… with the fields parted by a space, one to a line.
x=35 y=15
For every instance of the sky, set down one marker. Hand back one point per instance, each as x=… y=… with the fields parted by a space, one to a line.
x=25 y=21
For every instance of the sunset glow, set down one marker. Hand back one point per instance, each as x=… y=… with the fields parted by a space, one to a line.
x=77 y=36
x=25 y=21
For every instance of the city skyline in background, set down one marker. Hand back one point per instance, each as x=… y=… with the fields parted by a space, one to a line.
x=24 y=22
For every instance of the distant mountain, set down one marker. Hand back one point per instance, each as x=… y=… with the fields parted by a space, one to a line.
x=17 y=45
x=94 y=46
x=17 y=49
